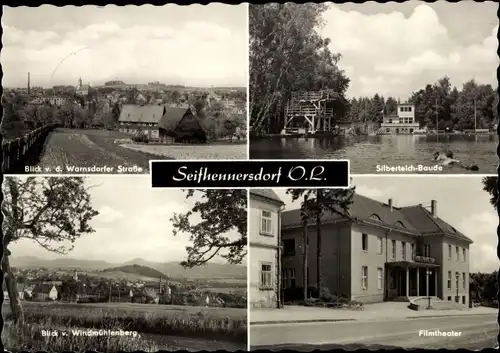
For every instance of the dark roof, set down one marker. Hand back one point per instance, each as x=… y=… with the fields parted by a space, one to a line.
x=172 y=117
x=413 y=219
x=266 y=193
x=427 y=223
x=362 y=208
x=132 y=113
x=43 y=288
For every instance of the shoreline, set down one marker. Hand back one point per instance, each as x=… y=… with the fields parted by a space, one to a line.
x=325 y=135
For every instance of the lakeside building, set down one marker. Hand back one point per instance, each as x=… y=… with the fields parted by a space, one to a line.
x=265 y=229
x=380 y=253
x=400 y=122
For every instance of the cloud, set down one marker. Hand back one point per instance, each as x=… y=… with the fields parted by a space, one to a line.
x=394 y=55
x=196 y=53
x=481 y=227
x=107 y=214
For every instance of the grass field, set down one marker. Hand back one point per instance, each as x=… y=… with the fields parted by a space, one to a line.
x=210 y=151
x=191 y=325
x=89 y=148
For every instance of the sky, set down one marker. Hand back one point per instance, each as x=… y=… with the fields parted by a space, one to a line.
x=196 y=45
x=461 y=202
x=394 y=49
x=133 y=222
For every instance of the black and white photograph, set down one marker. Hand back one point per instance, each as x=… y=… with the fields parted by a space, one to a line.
x=105 y=89
x=88 y=268
x=394 y=87
x=391 y=262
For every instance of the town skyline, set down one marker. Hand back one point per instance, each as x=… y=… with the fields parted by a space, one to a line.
x=196 y=45
x=381 y=60
x=134 y=227
x=475 y=218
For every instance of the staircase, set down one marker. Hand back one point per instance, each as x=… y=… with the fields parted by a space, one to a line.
x=421 y=303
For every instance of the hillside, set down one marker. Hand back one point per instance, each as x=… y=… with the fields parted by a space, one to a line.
x=173 y=270
x=138 y=270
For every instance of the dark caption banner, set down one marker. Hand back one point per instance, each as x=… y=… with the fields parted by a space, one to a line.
x=242 y=174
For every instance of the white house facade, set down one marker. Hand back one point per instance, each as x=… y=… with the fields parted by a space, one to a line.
x=265 y=240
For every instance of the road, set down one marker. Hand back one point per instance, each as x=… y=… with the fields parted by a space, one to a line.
x=476 y=332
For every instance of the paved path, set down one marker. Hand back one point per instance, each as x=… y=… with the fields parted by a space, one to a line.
x=372 y=312
x=477 y=331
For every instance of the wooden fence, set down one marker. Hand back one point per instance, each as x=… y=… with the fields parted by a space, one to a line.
x=23 y=150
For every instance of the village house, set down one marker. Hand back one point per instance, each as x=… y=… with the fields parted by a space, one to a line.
x=44 y=292
x=400 y=122
x=381 y=253
x=161 y=123
x=265 y=228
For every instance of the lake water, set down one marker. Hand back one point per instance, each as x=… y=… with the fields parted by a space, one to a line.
x=368 y=152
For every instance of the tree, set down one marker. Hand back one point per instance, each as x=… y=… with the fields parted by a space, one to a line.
x=220 y=211
x=46 y=211
x=317 y=203
x=490 y=185
x=287 y=54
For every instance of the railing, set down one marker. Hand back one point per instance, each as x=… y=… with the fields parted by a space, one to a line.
x=19 y=151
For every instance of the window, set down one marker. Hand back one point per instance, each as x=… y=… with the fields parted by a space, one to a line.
x=458 y=253
x=364 y=277
x=427 y=250
x=291 y=277
x=403 y=250
x=449 y=299
x=364 y=242
x=266 y=222
x=449 y=252
x=463 y=253
x=449 y=280
x=288 y=247
x=457 y=279
x=266 y=275
x=401 y=120
x=393 y=255
x=463 y=299
x=463 y=280
x=380 y=274
x=380 y=245
x=412 y=251
x=409 y=109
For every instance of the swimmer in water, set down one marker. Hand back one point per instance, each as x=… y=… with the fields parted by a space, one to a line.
x=447 y=159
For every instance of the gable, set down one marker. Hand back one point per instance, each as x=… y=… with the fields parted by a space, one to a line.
x=188 y=123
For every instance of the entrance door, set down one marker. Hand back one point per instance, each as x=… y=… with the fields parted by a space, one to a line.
x=401 y=284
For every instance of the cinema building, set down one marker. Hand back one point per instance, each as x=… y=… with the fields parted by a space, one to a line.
x=381 y=253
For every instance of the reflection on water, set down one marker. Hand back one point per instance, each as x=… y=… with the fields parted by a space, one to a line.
x=366 y=152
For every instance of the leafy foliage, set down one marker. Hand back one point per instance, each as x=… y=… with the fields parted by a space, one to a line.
x=438 y=104
x=491 y=187
x=287 y=54
x=220 y=211
x=47 y=210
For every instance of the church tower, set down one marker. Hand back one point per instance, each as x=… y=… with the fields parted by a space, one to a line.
x=29 y=84
x=80 y=84
x=75 y=276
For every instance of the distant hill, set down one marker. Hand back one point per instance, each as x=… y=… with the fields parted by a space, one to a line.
x=143 y=268
x=138 y=270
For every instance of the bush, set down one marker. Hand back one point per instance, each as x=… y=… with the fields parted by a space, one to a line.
x=140 y=139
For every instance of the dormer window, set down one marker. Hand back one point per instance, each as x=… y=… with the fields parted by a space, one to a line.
x=375 y=217
x=400 y=224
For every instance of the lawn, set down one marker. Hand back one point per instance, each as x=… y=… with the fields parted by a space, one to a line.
x=97 y=148
x=225 y=324
x=209 y=151
x=88 y=148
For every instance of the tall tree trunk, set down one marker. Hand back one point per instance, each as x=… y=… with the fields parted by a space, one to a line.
x=319 y=278
x=10 y=231
x=304 y=275
x=11 y=284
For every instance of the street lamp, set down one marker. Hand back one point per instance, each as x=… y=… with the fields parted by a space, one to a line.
x=457 y=275
x=427 y=274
